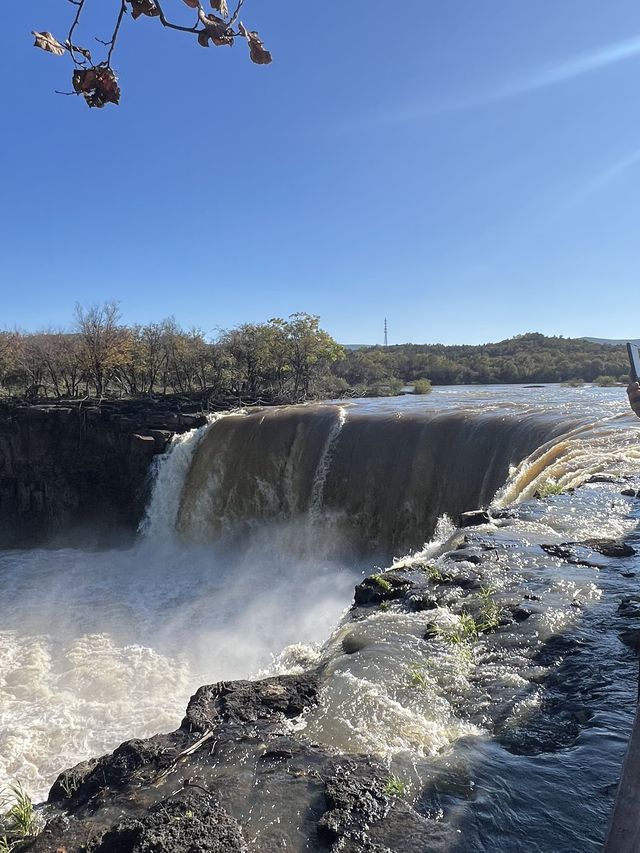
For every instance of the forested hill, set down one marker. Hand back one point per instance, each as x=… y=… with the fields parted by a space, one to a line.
x=526 y=358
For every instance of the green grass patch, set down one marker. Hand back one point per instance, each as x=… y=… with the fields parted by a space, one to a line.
x=382 y=582
x=18 y=821
x=395 y=787
x=549 y=488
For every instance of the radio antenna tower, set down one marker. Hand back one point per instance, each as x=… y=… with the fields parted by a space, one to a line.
x=386 y=336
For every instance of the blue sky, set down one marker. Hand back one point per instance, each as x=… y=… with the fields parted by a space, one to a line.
x=468 y=168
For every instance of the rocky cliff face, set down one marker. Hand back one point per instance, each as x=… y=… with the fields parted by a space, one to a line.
x=79 y=474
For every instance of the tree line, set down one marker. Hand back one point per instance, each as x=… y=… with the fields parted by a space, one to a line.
x=529 y=358
x=282 y=360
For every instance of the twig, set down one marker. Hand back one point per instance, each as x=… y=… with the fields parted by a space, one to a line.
x=121 y=14
x=166 y=23
x=185 y=752
x=234 y=17
x=80 y=6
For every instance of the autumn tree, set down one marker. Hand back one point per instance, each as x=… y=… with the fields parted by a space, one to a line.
x=104 y=344
x=96 y=80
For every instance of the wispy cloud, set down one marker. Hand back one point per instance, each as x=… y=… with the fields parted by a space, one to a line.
x=602 y=180
x=537 y=80
x=577 y=66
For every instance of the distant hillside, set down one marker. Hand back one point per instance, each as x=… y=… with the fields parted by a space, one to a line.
x=526 y=358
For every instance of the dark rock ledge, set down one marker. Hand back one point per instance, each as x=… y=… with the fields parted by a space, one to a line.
x=77 y=472
x=234 y=777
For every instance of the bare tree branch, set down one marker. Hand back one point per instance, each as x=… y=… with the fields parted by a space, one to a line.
x=169 y=25
x=98 y=82
x=114 y=37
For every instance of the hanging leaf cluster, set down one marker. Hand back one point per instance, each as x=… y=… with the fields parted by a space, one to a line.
x=97 y=82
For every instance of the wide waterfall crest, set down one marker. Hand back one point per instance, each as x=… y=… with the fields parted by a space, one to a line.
x=380 y=479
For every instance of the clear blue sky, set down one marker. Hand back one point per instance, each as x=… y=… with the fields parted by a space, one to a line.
x=468 y=168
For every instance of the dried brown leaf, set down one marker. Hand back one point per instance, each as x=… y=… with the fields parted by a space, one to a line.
x=215 y=30
x=45 y=41
x=220 y=6
x=143 y=7
x=98 y=86
x=258 y=52
x=192 y=3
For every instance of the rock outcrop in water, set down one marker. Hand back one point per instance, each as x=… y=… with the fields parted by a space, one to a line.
x=78 y=473
x=207 y=787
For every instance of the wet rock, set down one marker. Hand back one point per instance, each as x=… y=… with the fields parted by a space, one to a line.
x=577 y=553
x=521 y=614
x=419 y=602
x=474 y=518
x=162 y=437
x=84 y=781
x=630 y=493
x=77 y=474
x=432 y=631
x=281 y=697
x=356 y=799
x=568 y=553
x=188 y=823
x=631 y=638
x=609 y=547
x=146 y=443
x=629 y=608
x=382 y=587
x=362 y=817
x=352 y=644
x=508 y=512
x=464 y=557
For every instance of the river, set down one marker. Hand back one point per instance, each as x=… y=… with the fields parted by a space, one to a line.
x=258 y=528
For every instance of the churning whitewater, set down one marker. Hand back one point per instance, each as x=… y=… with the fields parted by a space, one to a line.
x=258 y=528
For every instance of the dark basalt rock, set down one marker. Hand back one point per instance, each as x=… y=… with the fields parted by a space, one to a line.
x=355 y=798
x=521 y=614
x=609 y=547
x=631 y=638
x=379 y=588
x=189 y=822
x=78 y=474
x=420 y=602
x=247 y=701
x=474 y=518
x=362 y=818
x=629 y=607
x=574 y=552
x=186 y=792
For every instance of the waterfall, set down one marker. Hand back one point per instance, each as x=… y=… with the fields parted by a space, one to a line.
x=169 y=473
x=320 y=476
x=383 y=479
